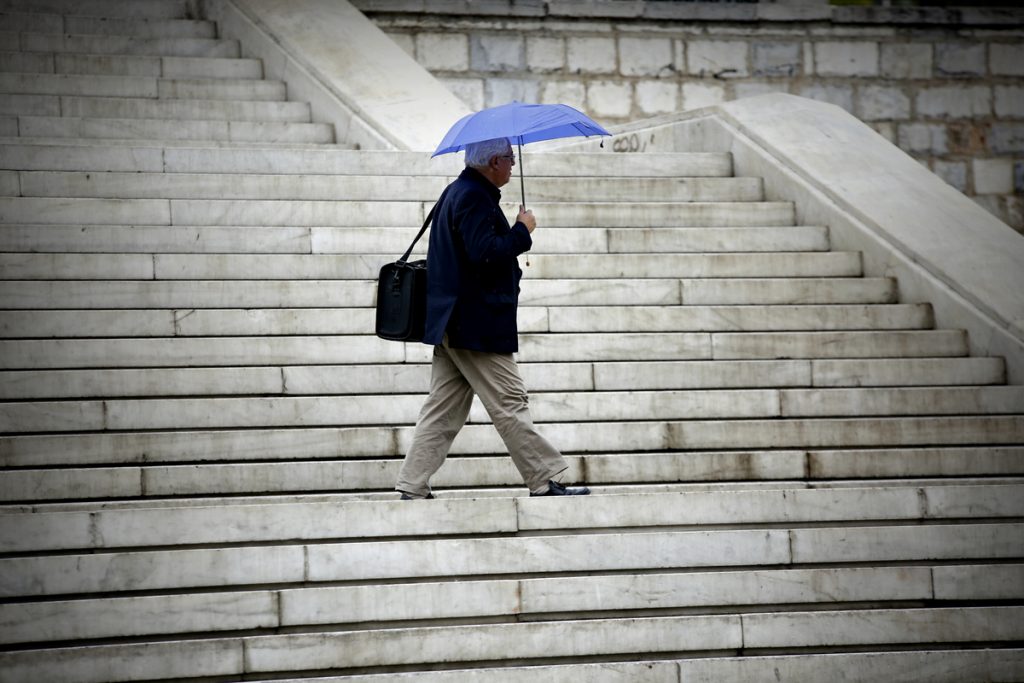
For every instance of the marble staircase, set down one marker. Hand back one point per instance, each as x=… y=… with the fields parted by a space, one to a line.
x=797 y=476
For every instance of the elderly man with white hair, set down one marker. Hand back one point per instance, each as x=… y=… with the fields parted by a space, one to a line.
x=472 y=297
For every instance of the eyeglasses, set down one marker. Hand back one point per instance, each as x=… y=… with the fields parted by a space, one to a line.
x=510 y=157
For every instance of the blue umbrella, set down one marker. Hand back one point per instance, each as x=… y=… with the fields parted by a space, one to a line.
x=521 y=123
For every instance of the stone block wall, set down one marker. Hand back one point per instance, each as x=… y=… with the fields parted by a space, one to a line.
x=947 y=86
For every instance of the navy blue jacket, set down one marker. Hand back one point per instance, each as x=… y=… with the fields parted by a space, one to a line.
x=472 y=271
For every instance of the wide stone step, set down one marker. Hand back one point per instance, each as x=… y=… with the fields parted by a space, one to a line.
x=651 y=550
x=140 y=27
x=26 y=266
x=938 y=666
x=618 y=437
x=471 y=474
x=319 y=411
x=153 y=9
x=360 y=187
x=206 y=212
x=529 y=598
x=517 y=642
x=369 y=379
x=185 y=109
x=947 y=665
x=197 y=294
x=392 y=241
x=121 y=45
x=533 y=348
x=318 y=321
x=288 y=522
x=139 y=87
x=255 y=159
x=129 y=65
x=34 y=22
x=166 y=129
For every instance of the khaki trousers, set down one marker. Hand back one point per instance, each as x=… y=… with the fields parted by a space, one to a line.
x=456 y=375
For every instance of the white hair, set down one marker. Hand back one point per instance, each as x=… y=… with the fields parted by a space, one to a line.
x=479 y=154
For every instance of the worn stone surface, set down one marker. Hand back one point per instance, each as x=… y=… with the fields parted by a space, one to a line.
x=906 y=60
x=591 y=55
x=992 y=176
x=777 y=59
x=442 y=52
x=960 y=60
x=498 y=53
x=645 y=57
x=717 y=59
x=846 y=58
x=880 y=102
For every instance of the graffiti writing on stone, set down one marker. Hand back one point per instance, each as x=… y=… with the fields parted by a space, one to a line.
x=632 y=143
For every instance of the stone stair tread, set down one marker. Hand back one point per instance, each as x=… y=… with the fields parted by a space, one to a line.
x=85 y=266
x=298 y=380
x=131 y=498
x=189 y=132
x=88 y=85
x=199 y=294
x=581 y=407
x=294 y=187
x=556 y=319
x=468 y=477
x=348 y=213
x=248 y=158
x=185 y=109
x=944 y=665
x=362 y=442
x=653 y=549
x=57 y=153
x=743 y=591
x=122 y=45
x=154 y=352
x=43 y=238
x=287 y=522
x=519 y=641
x=155 y=9
x=130 y=65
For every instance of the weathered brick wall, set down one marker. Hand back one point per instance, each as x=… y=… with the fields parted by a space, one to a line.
x=946 y=86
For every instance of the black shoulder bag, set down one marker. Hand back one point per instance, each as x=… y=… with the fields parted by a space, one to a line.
x=402 y=294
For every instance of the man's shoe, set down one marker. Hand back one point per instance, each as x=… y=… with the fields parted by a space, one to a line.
x=406 y=496
x=556 y=489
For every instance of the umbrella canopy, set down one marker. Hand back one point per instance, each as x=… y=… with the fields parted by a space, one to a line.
x=520 y=123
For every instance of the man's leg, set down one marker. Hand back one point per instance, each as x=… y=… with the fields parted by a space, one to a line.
x=495 y=378
x=442 y=416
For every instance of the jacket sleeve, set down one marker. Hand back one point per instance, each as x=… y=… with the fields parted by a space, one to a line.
x=477 y=221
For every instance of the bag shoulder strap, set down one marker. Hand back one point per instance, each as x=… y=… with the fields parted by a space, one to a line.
x=426 y=224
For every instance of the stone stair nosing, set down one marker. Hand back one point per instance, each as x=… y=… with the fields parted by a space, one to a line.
x=39 y=238
x=130 y=65
x=516 y=643
x=187 y=526
x=529 y=599
x=298 y=380
x=152 y=9
x=334 y=293
x=623 y=437
x=610 y=473
x=532 y=319
x=558 y=407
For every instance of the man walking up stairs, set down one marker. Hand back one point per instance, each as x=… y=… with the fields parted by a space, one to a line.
x=795 y=475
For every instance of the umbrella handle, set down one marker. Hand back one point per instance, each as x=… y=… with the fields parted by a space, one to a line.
x=522 y=186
